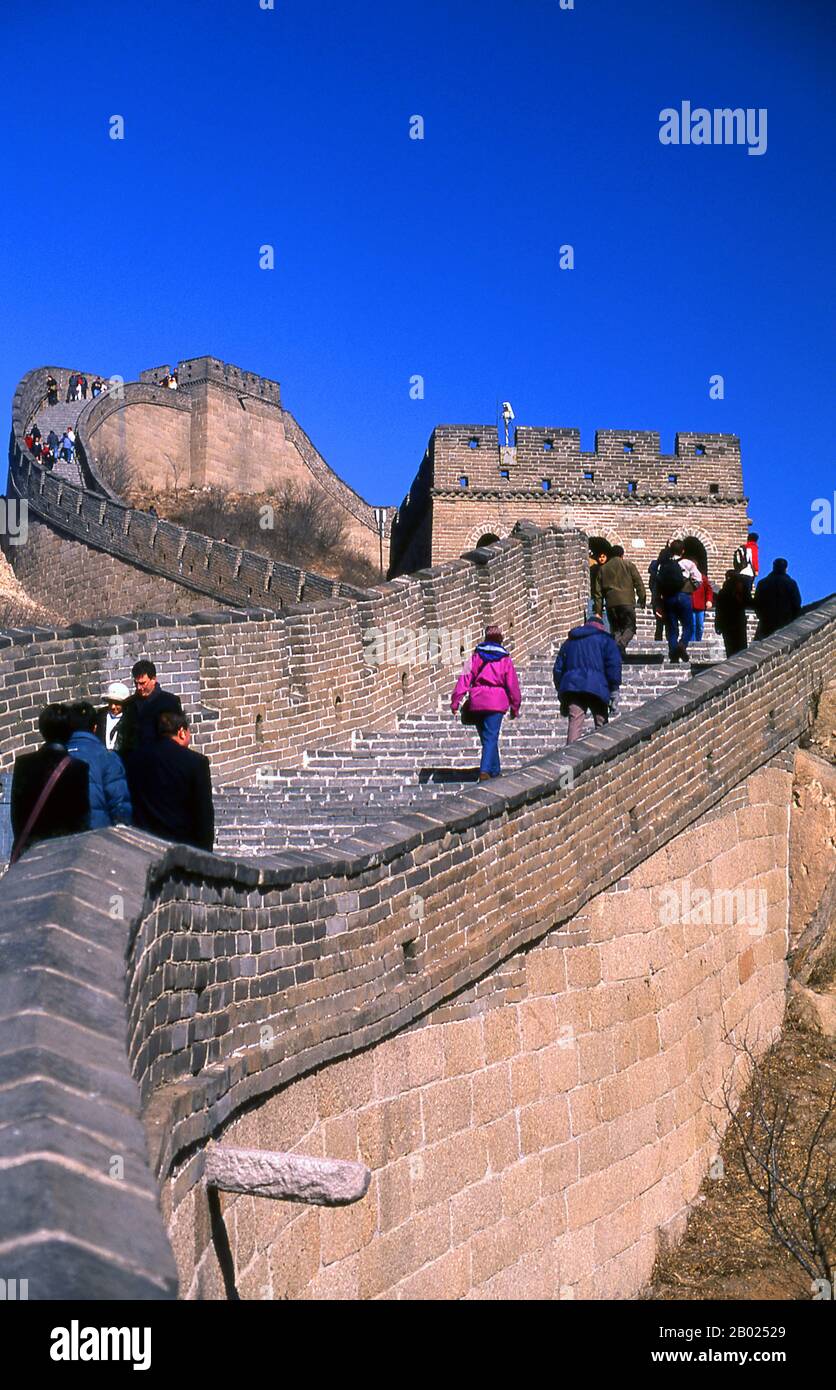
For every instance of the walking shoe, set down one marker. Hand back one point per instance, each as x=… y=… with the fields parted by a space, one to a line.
x=683 y=653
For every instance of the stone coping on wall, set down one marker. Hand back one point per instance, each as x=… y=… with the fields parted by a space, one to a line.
x=364 y=887
x=95 y=517
x=72 y=911
x=79 y=1216
x=138 y=622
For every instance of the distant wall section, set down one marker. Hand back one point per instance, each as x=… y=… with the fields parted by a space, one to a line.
x=469 y=485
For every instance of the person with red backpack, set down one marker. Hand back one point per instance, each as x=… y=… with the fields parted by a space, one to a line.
x=489 y=687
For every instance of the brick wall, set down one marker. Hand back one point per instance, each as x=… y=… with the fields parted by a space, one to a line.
x=94 y=517
x=696 y=491
x=305 y=1001
x=619 y=456
x=642 y=528
x=536 y=1148
x=150 y=425
x=75 y=581
x=242 y=981
x=267 y=687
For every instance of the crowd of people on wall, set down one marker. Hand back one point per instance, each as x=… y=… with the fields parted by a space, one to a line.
x=77 y=388
x=129 y=761
x=588 y=667
x=54 y=447
x=125 y=762
x=681 y=594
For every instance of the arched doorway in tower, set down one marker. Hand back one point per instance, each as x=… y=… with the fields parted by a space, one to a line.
x=695 y=550
x=487 y=539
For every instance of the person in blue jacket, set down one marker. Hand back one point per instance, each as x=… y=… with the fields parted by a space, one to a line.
x=587 y=673
x=110 y=801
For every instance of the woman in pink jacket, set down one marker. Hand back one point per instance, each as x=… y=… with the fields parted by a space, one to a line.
x=492 y=689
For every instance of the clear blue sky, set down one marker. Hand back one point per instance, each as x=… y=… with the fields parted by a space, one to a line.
x=397 y=257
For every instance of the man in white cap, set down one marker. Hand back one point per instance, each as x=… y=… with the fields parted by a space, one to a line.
x=109 y=722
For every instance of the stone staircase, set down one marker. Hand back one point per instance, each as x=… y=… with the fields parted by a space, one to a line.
x=59 y=417
x=421 y=763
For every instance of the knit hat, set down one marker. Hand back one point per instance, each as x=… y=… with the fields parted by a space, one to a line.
x=117 y=692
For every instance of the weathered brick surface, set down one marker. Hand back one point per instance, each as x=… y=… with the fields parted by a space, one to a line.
x=606 y=1144
x=95 y=528
x=441 y=517
x=266 y=687
x=237 y=956
x=79 y=1214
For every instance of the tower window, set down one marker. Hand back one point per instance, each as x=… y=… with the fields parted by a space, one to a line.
x=714 y=488
x=628 y=448
x=463 y=482
x=473 y=443
x=548 y=443
x=547 y=484
x=699 y=450
x=632 y=486
x=588 y=477
x=503 y=473
x=672 y=478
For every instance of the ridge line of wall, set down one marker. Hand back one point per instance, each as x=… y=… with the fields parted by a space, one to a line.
x=157 y=547
x=342 y=959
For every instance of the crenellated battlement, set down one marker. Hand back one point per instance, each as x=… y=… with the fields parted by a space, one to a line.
x=196 y=371
x=700 y=463
x=470 y=486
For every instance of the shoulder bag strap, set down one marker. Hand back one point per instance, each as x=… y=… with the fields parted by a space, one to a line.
x=23 y=838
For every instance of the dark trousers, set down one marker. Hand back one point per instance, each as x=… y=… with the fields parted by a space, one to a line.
x=622 y=623
x=735 y=642
x=679 y=613
x=576 y=704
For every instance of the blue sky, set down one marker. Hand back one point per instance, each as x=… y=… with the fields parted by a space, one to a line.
x=397 y=257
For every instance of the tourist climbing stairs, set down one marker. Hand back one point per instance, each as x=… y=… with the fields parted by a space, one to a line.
x=422 y=762
x=60 y=417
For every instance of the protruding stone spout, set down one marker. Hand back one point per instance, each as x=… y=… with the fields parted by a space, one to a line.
x=322 y=1182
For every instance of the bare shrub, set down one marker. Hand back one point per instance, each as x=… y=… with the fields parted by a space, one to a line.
x=790 y=1162
x=299 y=526
x=115 y=469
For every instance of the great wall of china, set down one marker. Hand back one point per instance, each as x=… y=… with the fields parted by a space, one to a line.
x=467 y=989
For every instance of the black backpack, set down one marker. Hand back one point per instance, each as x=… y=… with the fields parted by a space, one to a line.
x=669 y=578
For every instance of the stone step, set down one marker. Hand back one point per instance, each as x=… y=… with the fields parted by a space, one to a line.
x=425 y=760
x=58 y=417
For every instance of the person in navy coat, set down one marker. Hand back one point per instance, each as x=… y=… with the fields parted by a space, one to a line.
x=587 y=673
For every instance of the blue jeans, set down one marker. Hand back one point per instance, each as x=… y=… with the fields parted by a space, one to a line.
x=679 y=612
x=489 y=726
x=699 y=623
